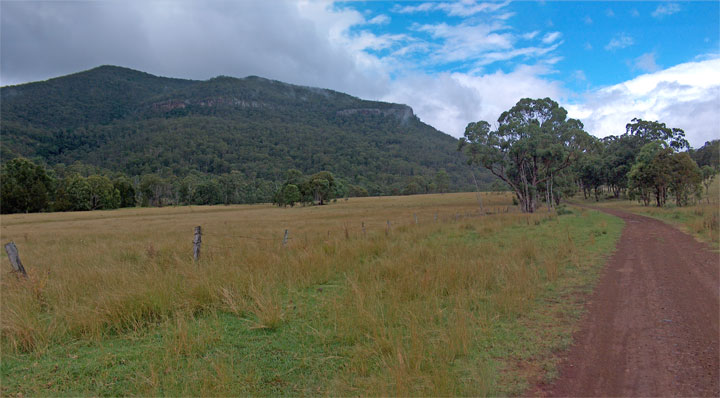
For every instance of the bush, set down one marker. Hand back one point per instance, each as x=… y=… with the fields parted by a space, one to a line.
x=563 y=210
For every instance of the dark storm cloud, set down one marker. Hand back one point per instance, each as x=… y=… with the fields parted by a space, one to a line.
x=41 y=40
x=195 y=40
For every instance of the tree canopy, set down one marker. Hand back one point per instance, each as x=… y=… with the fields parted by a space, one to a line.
x=534 y=142
x=24 y=187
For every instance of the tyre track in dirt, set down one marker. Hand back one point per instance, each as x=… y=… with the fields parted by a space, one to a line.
x=651 y=327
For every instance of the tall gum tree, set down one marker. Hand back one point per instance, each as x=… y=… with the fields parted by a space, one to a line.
x=534 y=141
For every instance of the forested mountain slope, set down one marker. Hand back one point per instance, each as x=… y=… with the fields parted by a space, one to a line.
x=122 y=120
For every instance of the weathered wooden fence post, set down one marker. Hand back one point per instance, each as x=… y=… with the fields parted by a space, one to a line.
x=363 y=229
x=197 y=240
x=285 y=238
x=347 y=233
x=387 y=228
x=416 y=220
x=14 y=258
x=436 y=217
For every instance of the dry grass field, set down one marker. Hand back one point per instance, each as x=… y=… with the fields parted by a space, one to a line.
x=460 y=303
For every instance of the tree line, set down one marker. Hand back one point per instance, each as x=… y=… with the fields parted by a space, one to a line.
x=537 y=152
x=27 y=187
x=542 y=156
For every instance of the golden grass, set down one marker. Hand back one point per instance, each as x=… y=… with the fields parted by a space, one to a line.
x=410 y=306
x=99 y=273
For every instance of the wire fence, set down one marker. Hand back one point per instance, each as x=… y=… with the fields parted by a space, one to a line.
x=348 y=230
x=363 y=229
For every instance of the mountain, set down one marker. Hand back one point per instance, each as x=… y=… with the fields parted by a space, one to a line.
x=121 y=120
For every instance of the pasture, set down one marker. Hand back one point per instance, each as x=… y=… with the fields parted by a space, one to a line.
x=463 y=302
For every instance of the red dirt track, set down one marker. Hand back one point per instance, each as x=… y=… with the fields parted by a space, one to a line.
x=652 y=323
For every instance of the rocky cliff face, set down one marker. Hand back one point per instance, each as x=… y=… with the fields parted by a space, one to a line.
x=169 y=105
x=402 y=112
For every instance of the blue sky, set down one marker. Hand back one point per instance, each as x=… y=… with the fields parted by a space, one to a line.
x=591 y=44
x=580 y=50
x=454 y=62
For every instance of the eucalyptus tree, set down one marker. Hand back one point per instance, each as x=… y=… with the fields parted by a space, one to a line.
x=687 y=178
x=659 y=170
x=533 y=143
x=649 y=131
x=708 y=175
x=652 y=173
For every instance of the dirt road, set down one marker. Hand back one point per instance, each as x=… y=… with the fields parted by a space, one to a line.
x=652 y=323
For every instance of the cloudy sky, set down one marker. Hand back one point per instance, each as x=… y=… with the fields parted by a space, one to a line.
x=454 y=62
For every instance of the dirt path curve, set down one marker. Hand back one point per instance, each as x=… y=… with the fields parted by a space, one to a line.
x=652 y=323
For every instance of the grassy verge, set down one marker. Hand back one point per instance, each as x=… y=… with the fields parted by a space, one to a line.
x=472 y=305
x=701 y=219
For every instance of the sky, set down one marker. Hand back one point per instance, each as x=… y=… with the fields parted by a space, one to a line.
x=453 y=62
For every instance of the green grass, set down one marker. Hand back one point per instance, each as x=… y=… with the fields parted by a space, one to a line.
x=477 y=307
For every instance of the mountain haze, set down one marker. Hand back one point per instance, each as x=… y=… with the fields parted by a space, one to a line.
x=122 y=120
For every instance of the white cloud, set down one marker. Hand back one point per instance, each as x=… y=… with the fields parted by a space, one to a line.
x=610 y=13
x=365 y=40
x=666 y=9
x=449 y=101
x=621 y=40
x=530 y=35
x=466 y=8
x=462 y=8
x=482 y=44
x=381 y=19
x=551 y=37
x=424 y=7
x=588 y=20
x=528 y=52
x=467 y=42
x=504 y=16
x=646 y=63
x=686 y=96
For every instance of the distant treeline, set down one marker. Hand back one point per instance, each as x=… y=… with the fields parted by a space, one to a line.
x=27 y=187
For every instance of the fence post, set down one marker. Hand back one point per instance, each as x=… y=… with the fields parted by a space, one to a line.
x=197 y=240
x=436 y=217
x=285 y=238
x=347 y=233
x=14 y=258
x=363 y=229
x=416 y=220
x=387 y=228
